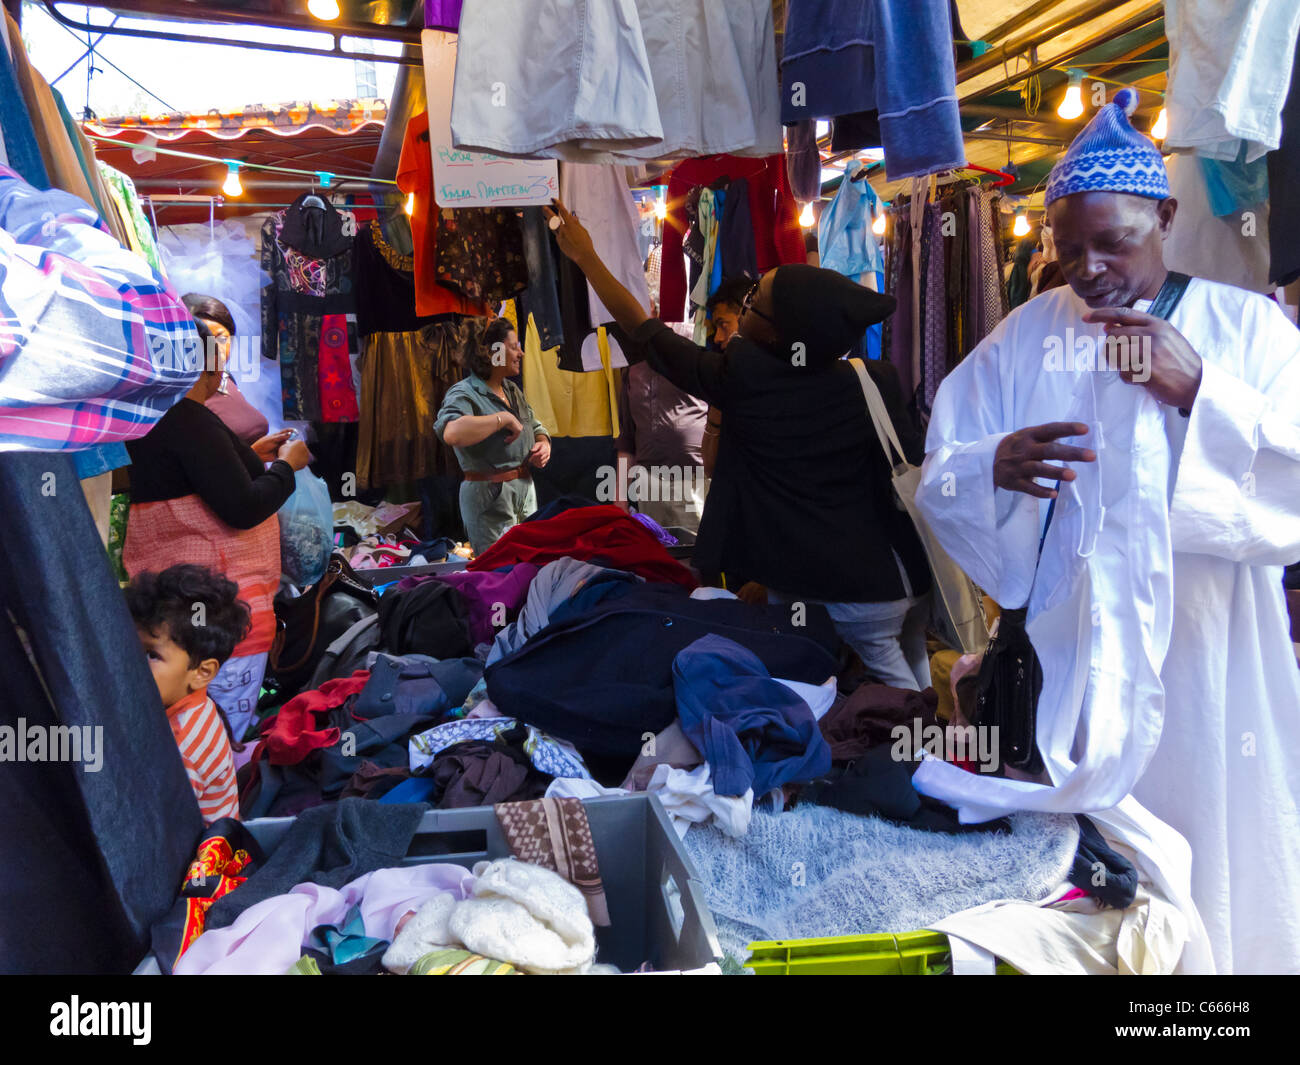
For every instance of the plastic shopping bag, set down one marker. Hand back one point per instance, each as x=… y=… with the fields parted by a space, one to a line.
x=306 y=530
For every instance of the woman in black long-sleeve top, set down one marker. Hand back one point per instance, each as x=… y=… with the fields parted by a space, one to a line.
x=801 y=500
x=199 y=494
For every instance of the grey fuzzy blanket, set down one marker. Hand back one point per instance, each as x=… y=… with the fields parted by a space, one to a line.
x=814 y=871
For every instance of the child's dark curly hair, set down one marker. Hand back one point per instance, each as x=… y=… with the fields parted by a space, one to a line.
x=167 y=601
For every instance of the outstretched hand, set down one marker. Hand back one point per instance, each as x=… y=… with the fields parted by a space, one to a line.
x=570 y=234
x=1021 y=456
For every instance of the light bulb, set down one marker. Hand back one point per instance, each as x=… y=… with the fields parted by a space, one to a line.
x=661 y=210
x=806 y=216
x=878 y=226
x=1072 y=103
x=232 y=185
x=1020 y=227
x=410 y=204
x=325 y=10
x=1161 y=127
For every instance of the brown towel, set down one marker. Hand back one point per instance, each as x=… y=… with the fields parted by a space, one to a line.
x=867 y=718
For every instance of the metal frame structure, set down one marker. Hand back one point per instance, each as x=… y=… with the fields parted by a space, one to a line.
x=160 y=9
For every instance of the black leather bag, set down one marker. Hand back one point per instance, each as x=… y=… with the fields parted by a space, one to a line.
x=1010 y=676
x=308 y=624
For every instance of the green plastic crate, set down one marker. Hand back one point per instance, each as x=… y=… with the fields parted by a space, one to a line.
x=882 y=954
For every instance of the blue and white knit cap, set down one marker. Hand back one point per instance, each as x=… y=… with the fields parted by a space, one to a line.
x=1109 y=155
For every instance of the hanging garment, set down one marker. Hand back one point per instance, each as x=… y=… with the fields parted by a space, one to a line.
x=1231 y=250
x=736 y=253
x=772 y=211
x=569 y=404
x=1283 y=172
x=408 y=364
x=415 y=178
x=308 y=311
x=890 y=56
x=122 y=190
x=601 y=199
x=707 y=222
x=935 y=339
x=90 y=859
x=21 y=149
x=625 y=80
x=803 y=160
x=540 y=300
x=480 y=252
x=1229 y=70
x=1199 y=517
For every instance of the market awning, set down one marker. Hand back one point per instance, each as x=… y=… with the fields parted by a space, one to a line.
x=338 y=137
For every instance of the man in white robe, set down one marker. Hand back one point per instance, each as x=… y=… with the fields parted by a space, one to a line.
x=1170 y=708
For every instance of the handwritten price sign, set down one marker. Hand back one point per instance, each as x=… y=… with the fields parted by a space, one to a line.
x=474 y=179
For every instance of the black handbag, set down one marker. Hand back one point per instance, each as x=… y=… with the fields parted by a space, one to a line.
x=308 y=624
x=1010 y=676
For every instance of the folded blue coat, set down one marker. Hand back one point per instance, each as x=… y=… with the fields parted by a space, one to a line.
x=752 y=730
x=604 y=678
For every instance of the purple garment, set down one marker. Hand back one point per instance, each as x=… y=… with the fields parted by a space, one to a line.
x=442 y=15
x=664 y=537
x=803 y=162
x=267 y=938
x=934 y=344
x=489 y=595
x=900 y=353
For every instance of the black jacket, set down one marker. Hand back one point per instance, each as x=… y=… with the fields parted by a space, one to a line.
x=801 y=498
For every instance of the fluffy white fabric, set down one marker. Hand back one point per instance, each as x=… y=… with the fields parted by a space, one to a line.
x=424 y=932
x=528 y=916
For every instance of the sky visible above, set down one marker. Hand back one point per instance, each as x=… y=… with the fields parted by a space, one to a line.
x=172 y=76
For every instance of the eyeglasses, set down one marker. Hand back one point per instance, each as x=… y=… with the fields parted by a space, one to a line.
x=748 y=304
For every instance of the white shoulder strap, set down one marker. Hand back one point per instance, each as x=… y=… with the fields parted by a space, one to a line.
x=879 y=416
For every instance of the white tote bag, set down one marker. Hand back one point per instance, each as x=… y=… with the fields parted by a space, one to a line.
x=957 y=613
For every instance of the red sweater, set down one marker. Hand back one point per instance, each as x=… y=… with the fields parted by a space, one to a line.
x=772 y=209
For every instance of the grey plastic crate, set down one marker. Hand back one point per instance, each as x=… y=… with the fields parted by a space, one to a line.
x=656 y=904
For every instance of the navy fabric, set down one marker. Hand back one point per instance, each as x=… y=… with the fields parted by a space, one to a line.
x=416 y=684
x=603 y=678
x=89 y=860
x=894 y=57
x=1117 y=884
x=736 y=234
x=752 y=730
x=19 y=136
x=541 y=298
x=560 y=505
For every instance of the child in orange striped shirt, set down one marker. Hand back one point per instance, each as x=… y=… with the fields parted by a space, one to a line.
x=189 y=620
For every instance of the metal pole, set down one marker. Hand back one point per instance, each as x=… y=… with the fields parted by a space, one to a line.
x=1142 y=18
x=995 y=57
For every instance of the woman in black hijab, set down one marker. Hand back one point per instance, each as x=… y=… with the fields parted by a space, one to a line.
x=801 y=499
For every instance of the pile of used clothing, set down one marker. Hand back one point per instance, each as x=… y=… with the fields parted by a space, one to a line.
x=336 y=898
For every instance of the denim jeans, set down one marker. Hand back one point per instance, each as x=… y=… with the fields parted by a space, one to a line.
x=889 y=637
